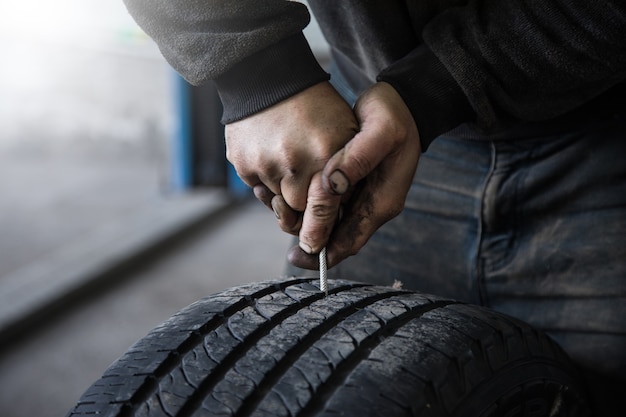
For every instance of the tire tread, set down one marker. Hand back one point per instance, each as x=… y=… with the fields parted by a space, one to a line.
x=280 y=348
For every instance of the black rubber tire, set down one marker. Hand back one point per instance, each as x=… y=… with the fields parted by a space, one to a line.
x=283 y=349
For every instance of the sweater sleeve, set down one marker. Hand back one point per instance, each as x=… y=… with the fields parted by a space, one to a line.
x=253 y=50
x=494 y=61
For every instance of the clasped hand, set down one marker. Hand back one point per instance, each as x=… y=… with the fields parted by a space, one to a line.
x=331 y=174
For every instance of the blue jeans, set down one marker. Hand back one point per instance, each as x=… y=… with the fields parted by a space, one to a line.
x=532 y=225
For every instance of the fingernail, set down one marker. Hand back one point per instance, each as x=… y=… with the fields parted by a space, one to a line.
x=273 y=202
x=338 y=182
x=306 y=248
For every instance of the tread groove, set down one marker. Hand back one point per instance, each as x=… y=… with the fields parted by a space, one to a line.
x=150 y=385
x=307 y=342
x=205 y=387
x=327 y=388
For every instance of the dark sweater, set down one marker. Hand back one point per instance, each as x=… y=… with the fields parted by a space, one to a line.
x=493 y=62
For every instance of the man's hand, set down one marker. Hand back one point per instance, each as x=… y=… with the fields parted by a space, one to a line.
x=281 y=151
x=377 y=167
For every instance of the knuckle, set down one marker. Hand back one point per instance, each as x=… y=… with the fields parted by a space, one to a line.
x=247 y=177
x=323 y=148
x=241 y=167
x=361 y=162
x=289 y=229
x=321 y=211
x=263 y=194
x=315 y=232
x=291 y=163
x=398 y=134
x=290 y=226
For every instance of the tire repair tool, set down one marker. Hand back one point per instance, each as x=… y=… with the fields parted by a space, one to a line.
x=323 y=272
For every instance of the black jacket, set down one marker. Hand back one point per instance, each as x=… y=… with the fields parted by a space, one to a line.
x=493 y=62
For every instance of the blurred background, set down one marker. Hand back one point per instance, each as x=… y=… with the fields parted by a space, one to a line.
x=117 y=206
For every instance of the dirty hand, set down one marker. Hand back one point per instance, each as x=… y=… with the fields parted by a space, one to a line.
x=281 y=151
x=377 y=167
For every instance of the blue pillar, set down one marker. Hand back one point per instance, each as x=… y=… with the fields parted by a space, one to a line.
x=190 y=102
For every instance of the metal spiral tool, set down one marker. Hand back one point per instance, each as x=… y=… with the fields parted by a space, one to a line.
x=323 y=272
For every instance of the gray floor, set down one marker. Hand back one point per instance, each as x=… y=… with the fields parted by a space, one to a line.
x=67 y=218
x=46 y=373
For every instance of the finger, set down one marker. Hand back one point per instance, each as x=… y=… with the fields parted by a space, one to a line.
x=264 y=195
x=299 y=258
x=319 y=216
x=348 y=236
x=356 y=160
x=293 y=188
x=289 y=220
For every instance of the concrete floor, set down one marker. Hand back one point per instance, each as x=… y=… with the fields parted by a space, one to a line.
x=46 y=373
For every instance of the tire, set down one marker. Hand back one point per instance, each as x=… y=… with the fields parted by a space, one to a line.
x=281 y=348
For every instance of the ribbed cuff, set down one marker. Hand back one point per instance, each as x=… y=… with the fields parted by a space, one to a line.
x=268 y=77
x=435 y=100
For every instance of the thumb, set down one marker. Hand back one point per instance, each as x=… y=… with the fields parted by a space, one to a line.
x=379 y=136
x=361 y=155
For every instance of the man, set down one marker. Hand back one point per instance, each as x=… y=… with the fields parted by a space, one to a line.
x=514 y=111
